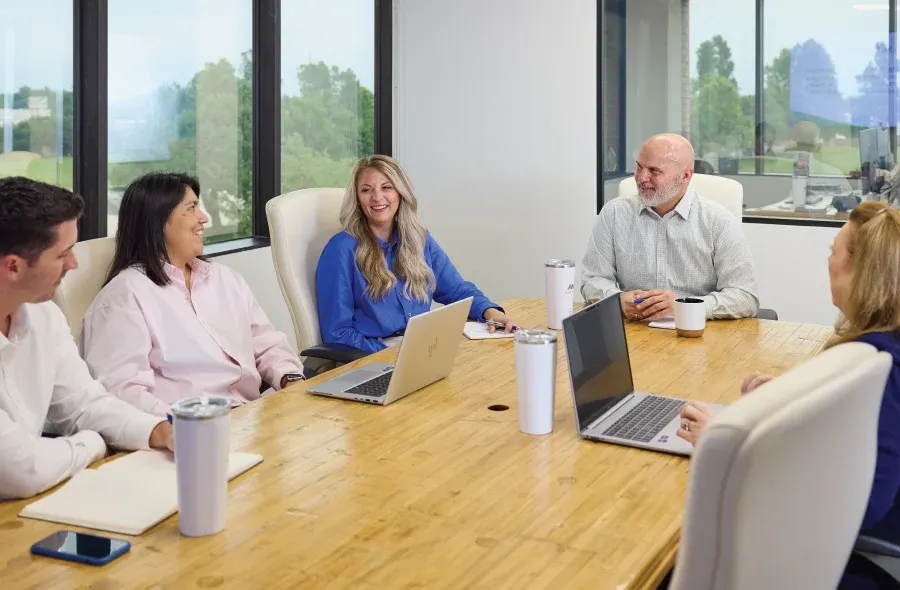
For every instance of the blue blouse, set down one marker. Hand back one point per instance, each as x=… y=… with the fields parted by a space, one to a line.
x=347 y=315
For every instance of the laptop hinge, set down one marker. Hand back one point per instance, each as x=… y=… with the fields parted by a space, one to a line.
x=609 y=412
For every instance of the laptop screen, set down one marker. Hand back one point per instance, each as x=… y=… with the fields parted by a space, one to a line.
x=598 y=359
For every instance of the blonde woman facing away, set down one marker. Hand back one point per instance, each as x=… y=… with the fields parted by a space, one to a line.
x=864 y=272
x=384 y=267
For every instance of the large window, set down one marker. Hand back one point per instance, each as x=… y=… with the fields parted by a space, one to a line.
x=180 y=100
x=798 y=89
x=722 y=90
x=214 y=88
x=36 y=117
x=826 y=79
x=328 y=81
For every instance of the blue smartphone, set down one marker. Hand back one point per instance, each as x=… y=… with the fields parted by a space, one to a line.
x=81 y=547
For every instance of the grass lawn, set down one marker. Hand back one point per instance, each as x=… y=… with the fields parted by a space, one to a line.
x=843 y=158
x=43 y=169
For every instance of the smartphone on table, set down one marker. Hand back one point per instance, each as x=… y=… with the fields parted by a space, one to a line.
x=81 y=547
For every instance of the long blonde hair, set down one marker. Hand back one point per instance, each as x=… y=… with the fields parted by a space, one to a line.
x=873 y=303
x=409 y=262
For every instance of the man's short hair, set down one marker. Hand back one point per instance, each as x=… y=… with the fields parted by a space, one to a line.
x=30 y=211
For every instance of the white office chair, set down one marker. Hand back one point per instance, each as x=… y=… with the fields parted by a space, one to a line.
x=80 y=286
x=780 y=480
x=300 y=224
x=724 y=191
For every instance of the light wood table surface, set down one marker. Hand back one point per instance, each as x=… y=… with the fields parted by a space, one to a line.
x=436 y=490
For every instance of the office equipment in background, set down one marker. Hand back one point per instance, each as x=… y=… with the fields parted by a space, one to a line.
x=81 y=547
x=426 y=355
x=607 y=408
x=128 y=495
x=874 y=155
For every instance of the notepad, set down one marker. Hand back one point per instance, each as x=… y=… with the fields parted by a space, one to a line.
x=126 y=496
x=665 y=323
x=479 y=331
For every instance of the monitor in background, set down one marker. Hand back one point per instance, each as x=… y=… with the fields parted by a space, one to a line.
x=598 y=359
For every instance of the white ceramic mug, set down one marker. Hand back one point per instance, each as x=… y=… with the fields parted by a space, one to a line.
x=690 y=317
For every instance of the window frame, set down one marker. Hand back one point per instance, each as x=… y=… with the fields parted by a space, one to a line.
x=90 y=89
x=759 y=113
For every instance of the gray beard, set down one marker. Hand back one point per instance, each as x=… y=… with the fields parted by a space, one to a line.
x=662 y=195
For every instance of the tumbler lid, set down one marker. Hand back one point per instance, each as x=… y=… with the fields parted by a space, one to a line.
x=535 y=337
x=559 y=263
x=201 y=408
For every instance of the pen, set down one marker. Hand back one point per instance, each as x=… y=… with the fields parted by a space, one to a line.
x=637 y=300
x=500 y=325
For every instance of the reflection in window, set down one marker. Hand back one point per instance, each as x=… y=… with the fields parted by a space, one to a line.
x=180 y=99
x=36 y=103
x=328 y=105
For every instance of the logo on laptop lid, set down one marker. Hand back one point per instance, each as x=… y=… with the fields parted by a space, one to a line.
x=432 y=348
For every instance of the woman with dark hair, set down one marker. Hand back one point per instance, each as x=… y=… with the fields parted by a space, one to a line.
x=169 y=324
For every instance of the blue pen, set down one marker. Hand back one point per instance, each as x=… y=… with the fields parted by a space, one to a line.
x=499 y=325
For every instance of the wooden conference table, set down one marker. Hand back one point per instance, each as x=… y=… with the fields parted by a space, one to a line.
x=438 y=490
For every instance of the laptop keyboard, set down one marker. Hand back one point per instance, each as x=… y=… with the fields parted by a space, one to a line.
x=645 y=420
x=376 y=387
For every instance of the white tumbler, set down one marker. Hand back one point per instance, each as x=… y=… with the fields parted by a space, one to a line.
x=202 y=440
x=560 y=284
x=799 y=188
x=536 y=380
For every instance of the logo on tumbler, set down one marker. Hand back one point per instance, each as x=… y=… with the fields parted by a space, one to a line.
x=432 y=348
x=570 y=288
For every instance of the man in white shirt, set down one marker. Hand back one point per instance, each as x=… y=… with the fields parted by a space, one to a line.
x=668 y=242
x=42 y=378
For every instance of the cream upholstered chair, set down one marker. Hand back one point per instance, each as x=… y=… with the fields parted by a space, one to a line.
x=300 y=224
x=780 y=480
x=80 y=286
x=724 y=191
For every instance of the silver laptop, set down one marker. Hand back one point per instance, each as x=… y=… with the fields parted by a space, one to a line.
x=426 y=355
x=607 y=408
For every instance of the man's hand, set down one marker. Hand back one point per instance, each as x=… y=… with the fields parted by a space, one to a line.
x=657 y=304
x=163 y=437
x=629 y=308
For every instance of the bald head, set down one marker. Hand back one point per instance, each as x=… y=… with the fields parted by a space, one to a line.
x=663 y=169
x=670 y=147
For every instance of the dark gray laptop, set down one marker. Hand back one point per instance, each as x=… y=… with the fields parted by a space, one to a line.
x=607 y=408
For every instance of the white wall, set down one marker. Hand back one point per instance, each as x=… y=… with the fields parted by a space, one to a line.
x=791 y=265
x=495 y=119
x=258 y=270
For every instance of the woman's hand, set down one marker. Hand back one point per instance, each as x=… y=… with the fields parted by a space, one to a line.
x=495 y=315
x=694 y=418
x=753 y=381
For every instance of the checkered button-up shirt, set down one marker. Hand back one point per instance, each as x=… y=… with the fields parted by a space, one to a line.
x=698 y=250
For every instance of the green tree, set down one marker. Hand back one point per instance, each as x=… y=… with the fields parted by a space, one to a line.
x=718 y=119
x=714 y=57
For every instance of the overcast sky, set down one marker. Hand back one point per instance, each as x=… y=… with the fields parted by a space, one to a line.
x=152 y=43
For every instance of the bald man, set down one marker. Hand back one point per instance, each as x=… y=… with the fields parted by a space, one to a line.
x=668 y=242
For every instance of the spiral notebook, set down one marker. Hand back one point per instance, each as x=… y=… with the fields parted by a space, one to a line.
x=128 y=495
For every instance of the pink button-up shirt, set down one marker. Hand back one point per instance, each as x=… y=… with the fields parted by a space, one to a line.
x=152 y=345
